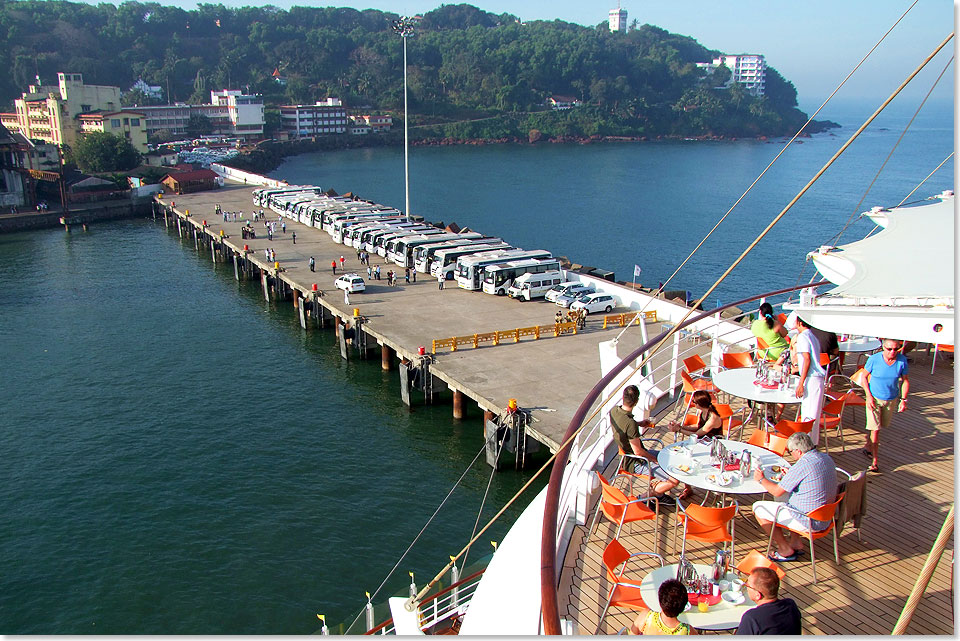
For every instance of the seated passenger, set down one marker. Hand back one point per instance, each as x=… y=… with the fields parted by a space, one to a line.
x=772 y=615
x=626 y=431
x=708 y=423
x=811 y=483
x=673 y=598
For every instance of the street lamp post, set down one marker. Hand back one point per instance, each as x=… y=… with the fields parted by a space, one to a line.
x=404 y=28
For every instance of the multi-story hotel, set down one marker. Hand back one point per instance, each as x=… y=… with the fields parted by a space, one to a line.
x=52 y=116
x=618 y=20
x=325 y=117
x=231 y=112
x=748 y=69
x=125 y=123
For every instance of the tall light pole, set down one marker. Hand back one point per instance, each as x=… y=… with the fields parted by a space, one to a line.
x=404 y=28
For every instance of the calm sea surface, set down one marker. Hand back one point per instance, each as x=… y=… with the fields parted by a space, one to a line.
x=179 y=457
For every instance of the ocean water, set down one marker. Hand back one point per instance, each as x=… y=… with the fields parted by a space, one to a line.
x=179 y=457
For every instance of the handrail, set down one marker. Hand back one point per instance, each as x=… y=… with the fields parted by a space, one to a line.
x=430 y=598
x=924 y=578
x=550 y=609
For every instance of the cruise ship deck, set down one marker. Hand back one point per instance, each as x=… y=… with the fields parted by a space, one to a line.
x=906 y=506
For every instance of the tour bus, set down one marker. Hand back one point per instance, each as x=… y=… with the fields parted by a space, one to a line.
x=534 y=284
x=423 y=255
x=497 y=279
x=402 y=253
x=390 y=244
x=370 y=241
x=445 y=260
x=470 y=268
x=380 y=242
x=353 y=234
x=261 y=197
x=343 y=223
x=342 y=212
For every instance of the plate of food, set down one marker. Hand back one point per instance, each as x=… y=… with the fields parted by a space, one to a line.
x=683 y=469
x=679 y=449
x=733 y=597
x=774 y=472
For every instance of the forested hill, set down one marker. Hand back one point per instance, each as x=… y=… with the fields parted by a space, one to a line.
x=464 y=64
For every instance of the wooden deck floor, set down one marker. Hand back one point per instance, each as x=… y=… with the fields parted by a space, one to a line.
x=906 y=507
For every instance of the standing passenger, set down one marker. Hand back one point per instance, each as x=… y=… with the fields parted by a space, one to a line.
x=885 y=371
x=294 y=238
x=440 y=280
x=313 y=264
x=333 y=266
x=812 y=377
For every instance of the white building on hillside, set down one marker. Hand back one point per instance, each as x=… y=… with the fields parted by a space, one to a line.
x=618 y=19
x=748 y=69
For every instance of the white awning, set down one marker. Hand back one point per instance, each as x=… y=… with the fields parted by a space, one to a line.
x=896 y=283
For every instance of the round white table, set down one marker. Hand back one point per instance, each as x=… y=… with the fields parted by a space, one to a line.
x=739 y=382
x=722 y=616
x=698 y=458
x=859 y=344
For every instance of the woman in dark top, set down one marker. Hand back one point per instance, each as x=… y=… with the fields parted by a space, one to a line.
x=709 y=422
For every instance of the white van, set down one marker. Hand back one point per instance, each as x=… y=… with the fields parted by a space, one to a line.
x=533 y=285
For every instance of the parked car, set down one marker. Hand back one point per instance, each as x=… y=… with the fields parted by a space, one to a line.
x=565 y=299
x=598 y=302
x=557 y=290
x=350 y=283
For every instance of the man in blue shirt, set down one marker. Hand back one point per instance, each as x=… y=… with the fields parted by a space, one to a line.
x=772 y=615
x=810 y=483
x=885 y=371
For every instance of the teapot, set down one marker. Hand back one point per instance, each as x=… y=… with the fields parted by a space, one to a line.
x=686 y=573
x=746 y=464
x=721 y=564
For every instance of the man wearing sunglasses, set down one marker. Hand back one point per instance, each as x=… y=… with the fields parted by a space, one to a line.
x=885 y=371
x=772 y=615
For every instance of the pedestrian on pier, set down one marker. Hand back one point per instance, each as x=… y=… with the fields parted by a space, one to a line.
x=333 y=266
x=270 y=232
x=414 y=274
x=283 y=227
x=369 y=272
x=360 y=255
x=313 y=264
x=342 y=259
x=406 y=275
x=377 y=272
x=440 y=280
x=346 y=297
x=294 y=238
x=266 y=254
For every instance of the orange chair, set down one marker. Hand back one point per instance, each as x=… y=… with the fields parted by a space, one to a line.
x=757 y=560
x=731 y=420
x=841 y=386
x=619 y=508
x=786 y=428
x=936 y=350
x=826 y=512
x=831 y=417
x=773 y=442
x=762 y=349
x=690 y=386
x=782 y=319
x=622 y=594
x=736 y=360
x=707 y=524
x=625 y=458
x=695 y=366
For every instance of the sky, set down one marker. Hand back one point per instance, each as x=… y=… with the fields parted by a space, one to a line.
x=813 y=43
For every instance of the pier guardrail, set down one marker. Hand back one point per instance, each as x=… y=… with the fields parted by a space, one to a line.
x=506 y=335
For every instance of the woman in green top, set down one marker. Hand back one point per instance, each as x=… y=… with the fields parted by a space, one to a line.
x=771 y=332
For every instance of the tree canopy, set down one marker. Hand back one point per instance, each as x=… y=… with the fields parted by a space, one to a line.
x=462 y=60
x=98 y=152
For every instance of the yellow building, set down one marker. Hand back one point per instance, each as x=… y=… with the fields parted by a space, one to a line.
x=52 y=116
x=126 y=123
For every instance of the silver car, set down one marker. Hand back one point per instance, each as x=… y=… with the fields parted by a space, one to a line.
x=564 y=300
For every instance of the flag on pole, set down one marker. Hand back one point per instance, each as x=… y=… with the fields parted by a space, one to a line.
x=636 y=271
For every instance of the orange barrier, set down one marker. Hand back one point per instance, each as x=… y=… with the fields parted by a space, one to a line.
x=622 y=319
x=497 y=337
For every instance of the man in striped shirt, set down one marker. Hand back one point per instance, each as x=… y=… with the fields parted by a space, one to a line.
x=810 y=483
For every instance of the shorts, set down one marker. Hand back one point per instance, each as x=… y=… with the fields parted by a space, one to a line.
x=788 y=517
x=881 y=414
x=658 y=472
x=812 y=403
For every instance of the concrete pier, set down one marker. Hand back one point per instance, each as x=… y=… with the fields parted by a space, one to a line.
x=548 y=377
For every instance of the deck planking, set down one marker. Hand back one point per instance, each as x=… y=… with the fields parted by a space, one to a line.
x=906 y=505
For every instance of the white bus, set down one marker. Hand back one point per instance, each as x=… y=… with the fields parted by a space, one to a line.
x=392 y=248
x=470 y=268
x=535 y=284
x=498 y=278
x=445 y=260
x=380 y=242
x=402 y=252
x=353 y=234
x=343 y=223
x=423 y=255
x=369 y=240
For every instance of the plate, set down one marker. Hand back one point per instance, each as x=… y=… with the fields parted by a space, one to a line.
x=734 y=598
x=676 y=470
x=679 y=449
x=726 y=478
x=712 y=600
